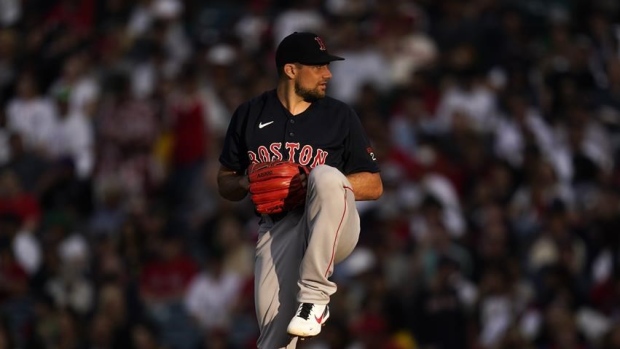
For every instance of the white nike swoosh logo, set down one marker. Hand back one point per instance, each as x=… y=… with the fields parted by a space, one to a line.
x=261 y=125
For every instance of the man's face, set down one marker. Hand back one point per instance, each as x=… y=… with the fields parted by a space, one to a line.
x=311 y=81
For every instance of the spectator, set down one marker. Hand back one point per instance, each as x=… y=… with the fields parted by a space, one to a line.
x=164 y=281
x=190 y=145
x=220 y=60
x=557 y=244
x=73 y=136
x=211 y=295
x=69 y=286
x=365 y=64
x=540 y=189
x=301 y=16
x=26 y=247
x=32 y=115
x=407 y=47
x=502 y=303
x=125 y=151
x=520 y=128
x=410 y=123
x=468 y=97
x=79 y=84
x=77 y=18
x=607 y=98
x=144 y=336
x=112 y=324
x=25 y=163
x=438 y=317
x=15 y=278
x=166 y=277
x=238 y=253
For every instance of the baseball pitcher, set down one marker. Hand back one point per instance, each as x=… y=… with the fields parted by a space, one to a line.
x=304 y=159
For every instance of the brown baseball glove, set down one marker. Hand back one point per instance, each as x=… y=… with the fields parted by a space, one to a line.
x=277 y=186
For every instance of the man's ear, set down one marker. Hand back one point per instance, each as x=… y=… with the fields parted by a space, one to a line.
x=290 y=70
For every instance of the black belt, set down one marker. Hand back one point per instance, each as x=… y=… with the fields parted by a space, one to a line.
x=277 y=216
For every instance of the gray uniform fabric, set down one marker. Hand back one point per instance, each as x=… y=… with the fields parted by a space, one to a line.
x=295 y=256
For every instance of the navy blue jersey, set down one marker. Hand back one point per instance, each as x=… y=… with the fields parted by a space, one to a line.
x=328 y=132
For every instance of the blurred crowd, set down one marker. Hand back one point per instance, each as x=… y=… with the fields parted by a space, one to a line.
x=496 y=124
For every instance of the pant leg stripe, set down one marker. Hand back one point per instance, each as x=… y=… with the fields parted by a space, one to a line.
x=344 y=213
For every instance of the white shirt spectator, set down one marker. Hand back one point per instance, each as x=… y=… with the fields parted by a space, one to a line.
x=34 y=119
x=175 y=40
x=10 y=12
x=452 y=216
x=210 y=299
x=545 y=252
x=75 y=292
x=70 y=287
x=509 y=141
x=349 y=8
x=27 y=251
x=77 y=80
x=362 y=66
x=297 y=19
x=74 y=252
x=217 y=115
x=146 y=76
x=73 y=138
x=496 y=315
x=250 y=29
x=140 y=20
x=410 y=53
x=477 y=104
x=146 y=12
x=83 y=93
x=595 y=144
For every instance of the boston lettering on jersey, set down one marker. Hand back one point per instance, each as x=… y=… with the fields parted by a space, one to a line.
x=303 y=155
x=328 y=132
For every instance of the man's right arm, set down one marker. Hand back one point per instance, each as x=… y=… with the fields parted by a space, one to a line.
x=231 y=185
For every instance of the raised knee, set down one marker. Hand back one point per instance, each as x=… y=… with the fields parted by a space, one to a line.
x=324 y=177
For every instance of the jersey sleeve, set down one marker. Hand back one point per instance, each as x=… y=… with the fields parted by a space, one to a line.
x=359 y=155
x=234 y=149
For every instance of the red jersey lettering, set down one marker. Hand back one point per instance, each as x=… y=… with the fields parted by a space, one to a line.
x=275 y=150
x=305 y=155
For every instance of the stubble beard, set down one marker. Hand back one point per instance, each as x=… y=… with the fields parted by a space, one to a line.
x=309 y=95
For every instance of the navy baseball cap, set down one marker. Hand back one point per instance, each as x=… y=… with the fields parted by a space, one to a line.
x=305 y=48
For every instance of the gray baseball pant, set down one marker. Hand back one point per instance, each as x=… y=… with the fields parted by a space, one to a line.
x=295 y=256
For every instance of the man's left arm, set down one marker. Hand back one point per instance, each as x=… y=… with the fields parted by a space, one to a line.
x=366 y=185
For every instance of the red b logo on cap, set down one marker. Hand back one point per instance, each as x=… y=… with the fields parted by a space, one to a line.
x=321 y=43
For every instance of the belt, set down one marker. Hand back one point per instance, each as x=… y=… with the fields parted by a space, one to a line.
x=274 y=217
x=277 y=216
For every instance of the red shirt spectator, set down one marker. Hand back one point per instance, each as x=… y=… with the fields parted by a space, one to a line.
x=77 y=15
x=189 y=132
x=14 y=278
x=167 y=277
x=15 y=201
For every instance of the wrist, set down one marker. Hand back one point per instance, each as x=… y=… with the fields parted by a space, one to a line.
x=244 y=182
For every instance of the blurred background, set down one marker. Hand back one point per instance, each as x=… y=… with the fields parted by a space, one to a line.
x=496 y=124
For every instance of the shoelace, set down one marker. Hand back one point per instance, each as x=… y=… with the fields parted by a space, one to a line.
x=306 y=308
